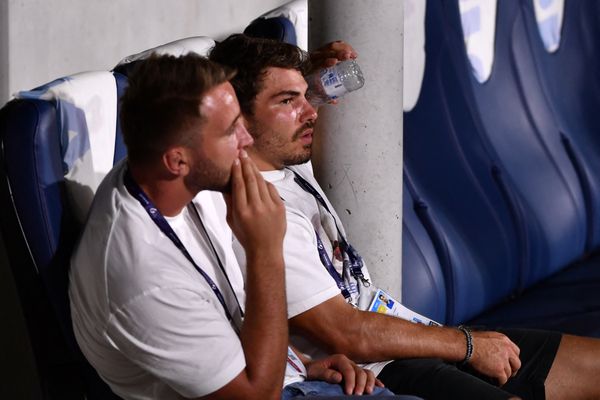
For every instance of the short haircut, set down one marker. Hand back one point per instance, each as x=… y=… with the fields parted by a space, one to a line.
x=251 y=57
x=162 y=102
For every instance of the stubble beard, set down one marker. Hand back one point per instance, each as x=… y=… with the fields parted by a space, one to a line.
x=272 y=145
x=206 y=175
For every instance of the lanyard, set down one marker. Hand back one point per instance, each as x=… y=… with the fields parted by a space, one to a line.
x=326 y=261
x=136 y=191
x=356 y=262
x=221 y=266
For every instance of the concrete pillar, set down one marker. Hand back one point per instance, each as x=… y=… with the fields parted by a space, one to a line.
x=358 y=148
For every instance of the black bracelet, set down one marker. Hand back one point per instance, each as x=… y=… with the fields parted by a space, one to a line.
x=469 y=337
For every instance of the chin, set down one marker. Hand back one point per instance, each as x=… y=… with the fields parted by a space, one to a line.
x=223 y=187
x=220 y=187
x=298 y=159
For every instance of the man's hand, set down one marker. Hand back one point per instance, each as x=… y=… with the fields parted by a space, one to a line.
x=338 y=368
x=331 y=54
x=255 y=212
x=495 y=355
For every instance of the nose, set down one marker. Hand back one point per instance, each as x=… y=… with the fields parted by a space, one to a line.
x=244 y=138
x=309 y=113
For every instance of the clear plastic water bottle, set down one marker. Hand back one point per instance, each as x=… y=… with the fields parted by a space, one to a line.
x=332 y=83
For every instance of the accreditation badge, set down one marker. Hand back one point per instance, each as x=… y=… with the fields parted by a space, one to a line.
x=383 y=303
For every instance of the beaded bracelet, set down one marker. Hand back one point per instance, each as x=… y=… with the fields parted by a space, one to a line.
x=469 y=337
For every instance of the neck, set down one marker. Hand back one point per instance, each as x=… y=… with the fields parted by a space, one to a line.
x=261 y=163
x=168 y=193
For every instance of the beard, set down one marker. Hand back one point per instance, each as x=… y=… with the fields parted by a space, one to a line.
x=206 y=175
x=275 y=147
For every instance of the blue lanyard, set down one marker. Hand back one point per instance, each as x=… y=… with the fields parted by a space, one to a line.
x=326 y=261
x=136 y=191
x=356 y=262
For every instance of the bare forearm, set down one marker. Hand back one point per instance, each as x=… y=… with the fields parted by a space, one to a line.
x=367 y=336
x=264 y=335
x=386 y=338
x=376 y=337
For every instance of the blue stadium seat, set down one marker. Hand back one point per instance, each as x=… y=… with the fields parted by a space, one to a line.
x=526 y=142
x=469 y=215
x=278 y=28
x=287 y=23
x=567 y=302
x=423 y=285
x=563 y=301
x=570 y=81
x=498 y=190
x=542 y=183
x=40 y=224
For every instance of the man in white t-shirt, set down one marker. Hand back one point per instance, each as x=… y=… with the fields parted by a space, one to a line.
x=328 y=286
x=158 y=303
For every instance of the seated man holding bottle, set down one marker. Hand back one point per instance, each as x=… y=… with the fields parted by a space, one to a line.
x=328 y=286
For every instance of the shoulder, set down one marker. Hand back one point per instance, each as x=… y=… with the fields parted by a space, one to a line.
x=299 y=226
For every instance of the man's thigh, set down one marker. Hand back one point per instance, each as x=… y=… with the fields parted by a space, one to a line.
x=538 y=350
x=435 y=379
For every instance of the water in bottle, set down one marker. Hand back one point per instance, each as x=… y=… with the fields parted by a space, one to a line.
x=332 y=83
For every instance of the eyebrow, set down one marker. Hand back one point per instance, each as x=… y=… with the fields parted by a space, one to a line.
x=286 y=93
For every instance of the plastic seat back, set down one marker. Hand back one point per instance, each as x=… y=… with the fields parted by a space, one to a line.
x=465 y=205
x=567 y=62
x=287 y=23
x=423 y=285
x=519 y=131
x=58 y=141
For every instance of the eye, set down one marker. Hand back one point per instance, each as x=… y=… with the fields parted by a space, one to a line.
x=287 y=100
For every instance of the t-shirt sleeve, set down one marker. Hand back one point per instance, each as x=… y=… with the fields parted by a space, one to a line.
x=308 y=283
x=179 y=335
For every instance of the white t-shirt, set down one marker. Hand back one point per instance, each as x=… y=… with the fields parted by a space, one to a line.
x=308 y=283
x=143 y=316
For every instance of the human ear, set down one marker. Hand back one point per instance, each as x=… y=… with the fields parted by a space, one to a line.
x=176 y=160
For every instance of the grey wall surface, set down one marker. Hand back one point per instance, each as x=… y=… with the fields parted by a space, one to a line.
x=358 y=145
x=41 y=40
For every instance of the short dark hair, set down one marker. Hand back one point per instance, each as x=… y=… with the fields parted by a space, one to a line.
x=163 y=100
x=251 y=57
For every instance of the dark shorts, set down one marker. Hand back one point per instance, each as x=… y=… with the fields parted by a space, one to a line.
x=436 y=379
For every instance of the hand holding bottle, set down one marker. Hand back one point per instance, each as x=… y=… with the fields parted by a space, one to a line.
x=339 y=73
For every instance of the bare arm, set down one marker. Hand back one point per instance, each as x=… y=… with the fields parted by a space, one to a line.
x=366 y=336
x=257 y=217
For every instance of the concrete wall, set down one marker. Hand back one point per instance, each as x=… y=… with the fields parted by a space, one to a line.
x=358 y=145
x=41 y=40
